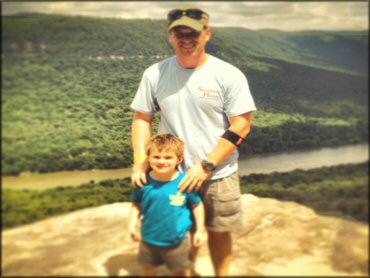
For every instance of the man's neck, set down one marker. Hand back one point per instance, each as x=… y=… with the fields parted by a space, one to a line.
x=189 y=62
x=169 y=176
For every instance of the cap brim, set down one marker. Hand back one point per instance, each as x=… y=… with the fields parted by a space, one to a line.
x=188 y=22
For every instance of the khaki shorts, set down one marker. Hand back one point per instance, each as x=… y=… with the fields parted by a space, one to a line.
x=176 y=258
x=222 y=202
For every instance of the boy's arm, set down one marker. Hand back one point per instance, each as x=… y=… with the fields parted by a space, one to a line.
x=133 y=221
x=198 y=212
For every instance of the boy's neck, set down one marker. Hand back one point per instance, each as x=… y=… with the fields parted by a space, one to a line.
x=169 y=176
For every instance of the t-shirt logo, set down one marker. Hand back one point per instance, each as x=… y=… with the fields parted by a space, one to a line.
x=208 y=93
x=177 y=200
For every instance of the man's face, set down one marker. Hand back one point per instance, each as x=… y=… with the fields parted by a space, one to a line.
x=188 y=42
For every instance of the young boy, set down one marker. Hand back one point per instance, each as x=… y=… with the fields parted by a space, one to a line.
x=167 y=215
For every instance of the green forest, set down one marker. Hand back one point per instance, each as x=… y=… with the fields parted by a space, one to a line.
x=67 y=82
x=340 y=191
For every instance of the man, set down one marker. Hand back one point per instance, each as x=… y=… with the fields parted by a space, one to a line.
x=207 y=103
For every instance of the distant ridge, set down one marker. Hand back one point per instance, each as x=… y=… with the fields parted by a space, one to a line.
x=345 y=50
x=27 y=14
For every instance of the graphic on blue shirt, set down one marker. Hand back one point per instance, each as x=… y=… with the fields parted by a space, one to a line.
x=166 y=212
x=177 y=200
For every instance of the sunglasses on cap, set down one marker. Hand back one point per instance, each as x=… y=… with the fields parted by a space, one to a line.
x=192 y=13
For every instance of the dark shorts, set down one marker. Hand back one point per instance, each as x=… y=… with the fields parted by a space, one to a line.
x=176 y=258
x=222 y=202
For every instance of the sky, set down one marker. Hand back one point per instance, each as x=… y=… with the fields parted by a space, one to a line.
x=282 y=15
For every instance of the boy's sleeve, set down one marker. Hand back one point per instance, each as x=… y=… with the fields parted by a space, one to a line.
x=193 y=199
x=136 y=195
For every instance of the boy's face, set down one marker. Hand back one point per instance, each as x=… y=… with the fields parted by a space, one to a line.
x=163 y=161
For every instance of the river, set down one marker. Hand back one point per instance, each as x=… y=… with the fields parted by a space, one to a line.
x=265 y=163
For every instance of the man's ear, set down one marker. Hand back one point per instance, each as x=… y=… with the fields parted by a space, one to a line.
x=169 y=37
x=208 y=34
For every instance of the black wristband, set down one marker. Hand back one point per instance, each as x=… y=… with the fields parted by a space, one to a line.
x=233 y=137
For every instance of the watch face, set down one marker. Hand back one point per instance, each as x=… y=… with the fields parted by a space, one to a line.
x=208 y=165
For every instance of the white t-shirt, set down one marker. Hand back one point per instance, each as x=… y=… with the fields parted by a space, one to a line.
x=195 y=105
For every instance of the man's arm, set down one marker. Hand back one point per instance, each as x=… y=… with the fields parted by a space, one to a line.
x=132 y=222
x=198 y=212
x=196 y=175
x=141 y=132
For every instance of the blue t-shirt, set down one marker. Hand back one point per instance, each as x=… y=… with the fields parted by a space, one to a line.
x=166 y=214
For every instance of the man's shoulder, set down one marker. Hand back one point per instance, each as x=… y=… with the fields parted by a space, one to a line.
x=224 y=71
x=159 y=66
x=222 y=65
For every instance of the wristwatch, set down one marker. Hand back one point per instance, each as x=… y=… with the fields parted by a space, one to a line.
x=209 y=166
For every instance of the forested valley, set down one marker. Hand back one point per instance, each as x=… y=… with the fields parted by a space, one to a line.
x=67 y=82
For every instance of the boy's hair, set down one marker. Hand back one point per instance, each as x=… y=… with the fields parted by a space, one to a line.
x=166 y=141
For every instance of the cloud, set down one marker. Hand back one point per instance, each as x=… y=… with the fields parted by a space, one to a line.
x=293 y=15
x=247 y=9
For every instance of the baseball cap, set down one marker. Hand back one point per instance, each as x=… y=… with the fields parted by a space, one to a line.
x=190 y=17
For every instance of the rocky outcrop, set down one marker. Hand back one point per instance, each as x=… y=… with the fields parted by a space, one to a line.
x=279 y=238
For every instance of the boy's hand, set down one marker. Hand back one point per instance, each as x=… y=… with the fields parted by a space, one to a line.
x=198 y=239
x=135 y=236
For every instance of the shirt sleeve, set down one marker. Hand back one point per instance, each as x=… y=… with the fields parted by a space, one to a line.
x=136 y=195
x=193 y=199
x=238 y=97
x=144 y=100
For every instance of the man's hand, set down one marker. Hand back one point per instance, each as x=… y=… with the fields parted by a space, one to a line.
x=138 y=174
x=194 y=179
